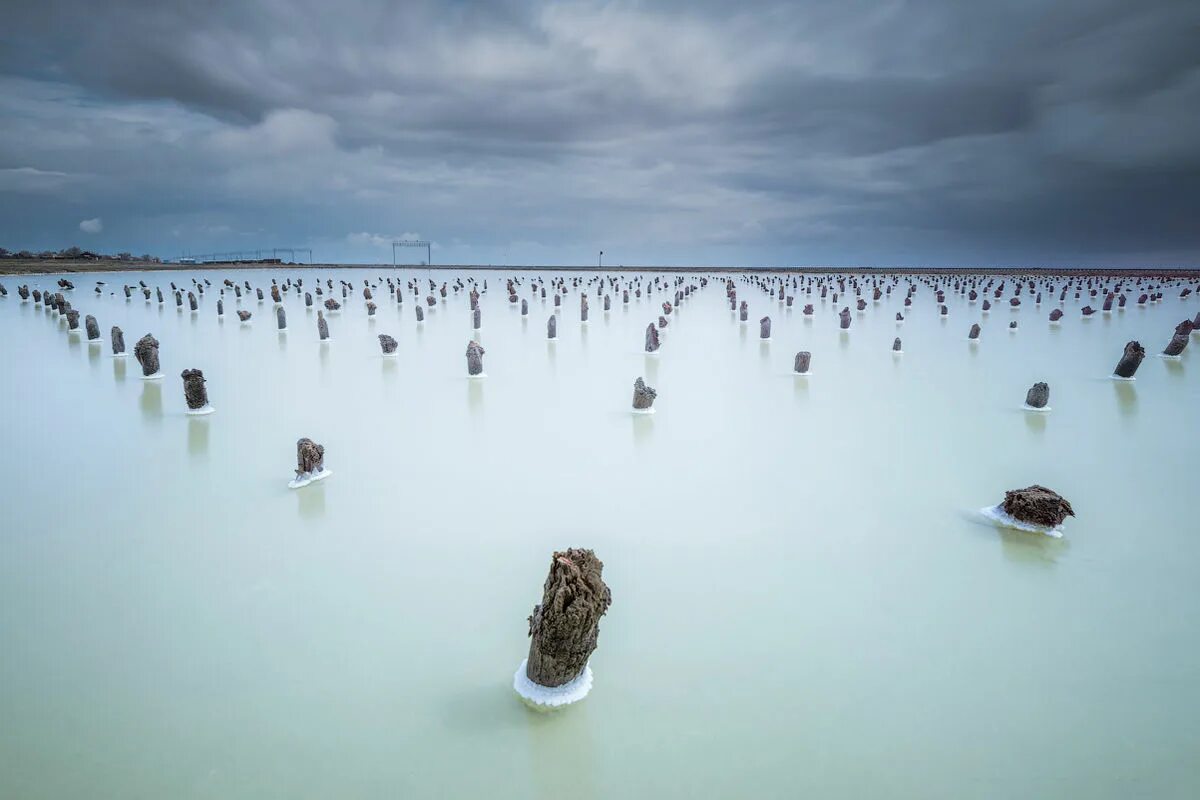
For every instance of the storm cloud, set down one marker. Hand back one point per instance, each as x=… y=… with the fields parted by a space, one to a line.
x=792 y=133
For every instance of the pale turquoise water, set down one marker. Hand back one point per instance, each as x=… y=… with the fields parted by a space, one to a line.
x=804 y=602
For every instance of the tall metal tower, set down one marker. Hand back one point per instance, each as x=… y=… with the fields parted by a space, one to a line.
x=413 y=243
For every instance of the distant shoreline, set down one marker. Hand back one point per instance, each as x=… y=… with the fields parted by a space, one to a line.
x=13 y=268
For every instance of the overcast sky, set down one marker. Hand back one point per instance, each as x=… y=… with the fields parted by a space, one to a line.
x=849 y=133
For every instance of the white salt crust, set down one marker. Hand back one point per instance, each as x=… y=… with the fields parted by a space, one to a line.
x=200 y=412
x=300 y=481
x=996 y=514
x=545 y=698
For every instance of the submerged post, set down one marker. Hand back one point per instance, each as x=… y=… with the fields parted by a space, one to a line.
x=1038 y=395
x=474 y=358
x=310 y=463
x=651 y=338
x=563 y=631
x=1037 y=505
x=1131 y=359
x=643 y=396
x=194 y=391
x=118 y=341
x=146 y=353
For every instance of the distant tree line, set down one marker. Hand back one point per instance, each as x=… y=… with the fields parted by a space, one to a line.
x=77 y=254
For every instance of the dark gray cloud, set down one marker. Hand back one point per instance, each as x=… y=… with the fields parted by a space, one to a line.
x=700 y=132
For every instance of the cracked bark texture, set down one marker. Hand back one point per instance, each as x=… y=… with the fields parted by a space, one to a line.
x=194 y=391
x=1038 y=395
x=1177 y=343
x=310 y=457
x=565 y=626
x=474 y=358
x=651 y=338
x=643 y=395
x=146 y=353
x=1037 y=505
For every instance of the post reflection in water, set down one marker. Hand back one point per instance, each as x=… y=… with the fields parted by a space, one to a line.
x=197 y=436
x=475 y=396
x=1126 y=397
x=651 y=370
x=310 y=501
x=643 y=429
x=151 y=399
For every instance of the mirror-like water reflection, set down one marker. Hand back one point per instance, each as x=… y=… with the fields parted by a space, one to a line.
x=805 y=601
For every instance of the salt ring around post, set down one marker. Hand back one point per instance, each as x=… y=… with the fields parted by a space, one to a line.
x=547 y=698
x=300 y=482
x=996 y=515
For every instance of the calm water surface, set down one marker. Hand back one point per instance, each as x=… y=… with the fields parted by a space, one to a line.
x=805 y=602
